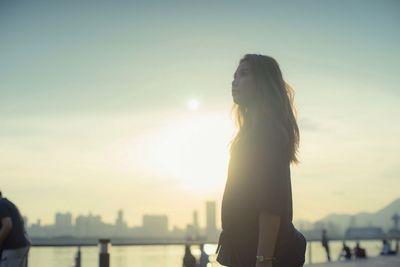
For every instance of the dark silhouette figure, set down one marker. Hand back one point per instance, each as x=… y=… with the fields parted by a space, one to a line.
x=346 y=252
x=256 y=212
x=325 y=244
x=188 y=259
x=203 y=257
x=386 y=249
x=359 y=252
x=14 y=241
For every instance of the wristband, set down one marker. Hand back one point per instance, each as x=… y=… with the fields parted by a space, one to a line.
x=264 y=259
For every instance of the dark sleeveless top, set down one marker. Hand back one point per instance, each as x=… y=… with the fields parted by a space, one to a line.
x=258 y=181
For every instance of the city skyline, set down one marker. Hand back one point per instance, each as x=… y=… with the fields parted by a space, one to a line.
x=157 y=227
x=68 y=218
x=68 y=226
x=209 y=218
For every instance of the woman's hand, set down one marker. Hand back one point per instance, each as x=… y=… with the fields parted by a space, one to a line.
x=268 y=234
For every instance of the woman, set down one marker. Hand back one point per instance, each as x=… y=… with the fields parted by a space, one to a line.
x=257 y=203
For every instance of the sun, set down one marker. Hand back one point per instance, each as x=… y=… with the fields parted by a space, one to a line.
x=193 y=104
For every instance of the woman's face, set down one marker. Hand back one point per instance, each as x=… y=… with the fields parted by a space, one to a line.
x=243 y=84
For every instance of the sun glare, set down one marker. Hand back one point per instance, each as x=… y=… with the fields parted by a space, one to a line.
x=193 y=150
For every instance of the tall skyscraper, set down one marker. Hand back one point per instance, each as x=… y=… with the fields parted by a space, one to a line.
x=196 y=223
x=120 y=225
x=119 y=222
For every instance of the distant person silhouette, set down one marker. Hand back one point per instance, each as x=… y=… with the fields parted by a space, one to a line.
x=359 y=252
x=188 y=259
x=346 y=252
x=325 y=244
x=14 y=241
x=256 y=213
x=386 y=249
x=203 y=257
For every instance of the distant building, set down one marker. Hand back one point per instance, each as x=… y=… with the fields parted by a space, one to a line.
x=396 y=219
x=353 y=222
x=155 y=225
x=190 y=232
x=62 y=224
x=364 y=233
x=90 y=225
x=63 y=220
x=395 y=231
x=120 y=225
x=177 y=232
x=36 y=229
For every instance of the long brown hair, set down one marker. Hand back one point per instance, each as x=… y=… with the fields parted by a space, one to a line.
x=275 y=103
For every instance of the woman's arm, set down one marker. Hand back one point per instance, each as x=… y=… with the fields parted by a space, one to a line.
x=268 y=235
x=5 y=229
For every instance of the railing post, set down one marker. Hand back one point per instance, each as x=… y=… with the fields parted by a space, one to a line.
x=78 y=257
x=104 y=256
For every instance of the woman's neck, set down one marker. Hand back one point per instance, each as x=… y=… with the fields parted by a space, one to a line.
x=253 y=115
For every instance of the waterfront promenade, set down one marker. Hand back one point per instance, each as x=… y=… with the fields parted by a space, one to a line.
x=379 y=261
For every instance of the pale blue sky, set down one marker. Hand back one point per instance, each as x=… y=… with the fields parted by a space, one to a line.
x=94 y=116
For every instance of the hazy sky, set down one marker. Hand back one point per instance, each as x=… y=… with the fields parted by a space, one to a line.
x=127 y=105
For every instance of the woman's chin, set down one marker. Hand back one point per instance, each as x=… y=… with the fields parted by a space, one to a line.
x=236 y=100
x=240 y=101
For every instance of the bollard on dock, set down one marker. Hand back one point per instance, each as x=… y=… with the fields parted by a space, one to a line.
x=104 y=256
x=78 y=257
